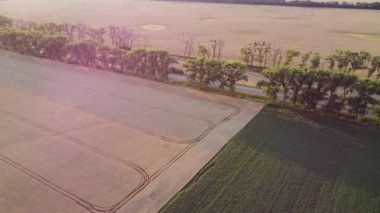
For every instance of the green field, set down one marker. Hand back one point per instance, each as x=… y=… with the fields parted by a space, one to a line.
x=284 y=161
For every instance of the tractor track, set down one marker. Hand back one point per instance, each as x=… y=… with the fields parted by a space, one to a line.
x=145 y=177
x=112 y=95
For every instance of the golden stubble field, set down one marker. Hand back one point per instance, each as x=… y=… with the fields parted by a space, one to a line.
x=303 y=28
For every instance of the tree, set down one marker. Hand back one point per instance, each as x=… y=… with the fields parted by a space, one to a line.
x=159 y=62
x=267 y=51
x=330 y=61
x=146 y=63
x=203 y=50
x=304 y=59
x=283 y=76
x=358 y=60
x=5 y=22
x=335 y=102
x=123 y=38
x=376 y=113
x=189 y=47
x=263 y=49
x=202 y=71
x=297 y=81
x=102 y=57
x=81 y=52
x=232 y=71
x=53 y=46
x=10 y=40
x=375 y=67
x=315 y=88
x=290 y=55
x=315 y=61
x=276 y=56
x=49 y=28
x=115 y=59
x=33 y=43
x=97 y=34
x=365 y=89
x=216 y=48
x=67 y=30
x=271 y=86
x=348 y=85
x=24 y=25
x=342 y=59
x=136 y=62
x=81 y=30
x=247 y=53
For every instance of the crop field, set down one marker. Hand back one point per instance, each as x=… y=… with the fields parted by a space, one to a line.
x=76 y=139
x=284 y=161
x=167 y=24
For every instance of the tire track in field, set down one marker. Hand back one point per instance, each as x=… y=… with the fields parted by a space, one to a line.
x=114 y=96
x=146 y=178
x=159 y=136
x=237 y=111
x=45 y=182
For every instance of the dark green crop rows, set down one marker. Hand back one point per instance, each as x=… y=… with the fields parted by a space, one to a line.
x=284 y=161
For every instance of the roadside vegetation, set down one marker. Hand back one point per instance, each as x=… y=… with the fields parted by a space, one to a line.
x=304 y=80
x=299 y=3
x=286 y=160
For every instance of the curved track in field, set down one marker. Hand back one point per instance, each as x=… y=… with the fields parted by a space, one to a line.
x=145 y=177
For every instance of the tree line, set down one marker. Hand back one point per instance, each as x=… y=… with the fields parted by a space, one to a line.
x=306 y=79
x=90 y=46
x=315 y=88
x=86 y=46
x=263 y=54
x=299 y=3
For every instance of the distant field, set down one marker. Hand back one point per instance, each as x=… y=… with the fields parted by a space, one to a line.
x=287 y=162
x=165 y=24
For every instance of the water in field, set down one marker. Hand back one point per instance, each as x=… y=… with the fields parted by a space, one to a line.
x=166 y=24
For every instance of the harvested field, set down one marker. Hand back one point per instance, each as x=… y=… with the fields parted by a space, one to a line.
x=76 y=139
x=285 y=161
x=306 y=29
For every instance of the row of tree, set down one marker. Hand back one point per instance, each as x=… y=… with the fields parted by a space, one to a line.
x=121 y=37
x=300 y=3
x=81 y=45
x=146 y=63
x=313 y=88
x=262 y=54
